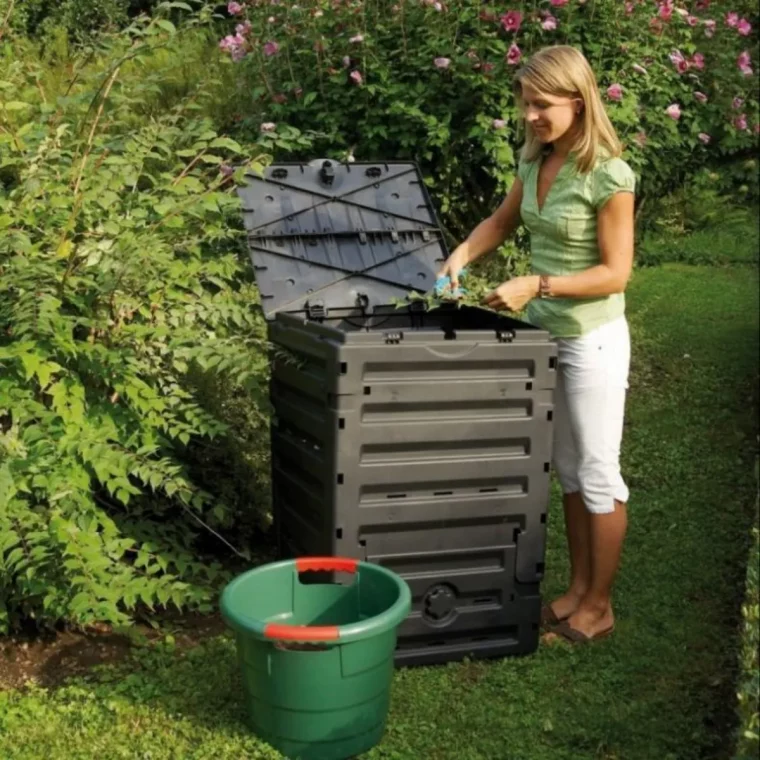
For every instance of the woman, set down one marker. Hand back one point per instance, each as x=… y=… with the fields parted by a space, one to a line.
x=574 y=194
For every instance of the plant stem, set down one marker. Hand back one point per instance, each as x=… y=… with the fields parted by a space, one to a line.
x=88 y=148
x=7 y=18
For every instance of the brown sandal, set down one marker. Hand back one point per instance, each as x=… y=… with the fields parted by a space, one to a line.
x=575 y=636
x=549 y=617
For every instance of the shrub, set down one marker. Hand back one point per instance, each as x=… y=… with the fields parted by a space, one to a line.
x=128 y=327
x=748 y=739
x=431 y=81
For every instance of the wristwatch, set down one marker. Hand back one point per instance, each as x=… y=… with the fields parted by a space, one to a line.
x=544 y=289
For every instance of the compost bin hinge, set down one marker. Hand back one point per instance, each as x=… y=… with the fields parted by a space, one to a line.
x=327 y=173
x=316 y=309
x=394 y=236
x=505 y=336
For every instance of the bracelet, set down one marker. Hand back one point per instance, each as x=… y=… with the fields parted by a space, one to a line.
x=544 y=288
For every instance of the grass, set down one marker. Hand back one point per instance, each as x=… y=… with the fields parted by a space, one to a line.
x=735 y=241
x=663 y=688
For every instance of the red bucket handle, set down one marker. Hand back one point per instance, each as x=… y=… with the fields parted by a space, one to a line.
x=338 y=564
x=283 y=632
x=301 y=632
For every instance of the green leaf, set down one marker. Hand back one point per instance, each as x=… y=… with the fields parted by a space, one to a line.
x=31 y=364
x=226 y=142
x=16 y=105
x=167 y=25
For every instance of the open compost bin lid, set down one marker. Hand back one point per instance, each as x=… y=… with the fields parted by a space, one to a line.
x=327 y=235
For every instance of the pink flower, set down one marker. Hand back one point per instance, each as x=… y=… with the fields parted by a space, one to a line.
x=702 y=5
x=704 y=137
x=737 y=103
x=629 y=8
x=514 y=54
x=442 y=63
x=487 y=68
x=268 y=126
x=559 y=3
x=692 y=20
x=744 y=63
x=615 y=92
x=740 y=122
x=549 y=23
x=677 y=59
x=732 y=19
x=744 y=28
x=356 y=77
x=499 y=124
x=511 y=21
x=701 y=97
x=757 y=129
x=639 y=68
x=674 y=111
x=243 y=29
x=235 y=46
x=357 y=38
x=234 y=8
x=710 y=27
x=666 y=11
x=226 y=170
x=697 y=61
x=640 y=138
x=271 y=48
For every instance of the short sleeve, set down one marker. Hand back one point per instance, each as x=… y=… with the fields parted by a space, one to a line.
x=613 y=176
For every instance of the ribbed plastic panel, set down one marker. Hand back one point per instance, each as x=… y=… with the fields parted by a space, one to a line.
x=432 y=459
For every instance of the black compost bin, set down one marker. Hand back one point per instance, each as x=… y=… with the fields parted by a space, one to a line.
x=418 y=440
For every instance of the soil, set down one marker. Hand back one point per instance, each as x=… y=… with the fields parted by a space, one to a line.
x=52 y=659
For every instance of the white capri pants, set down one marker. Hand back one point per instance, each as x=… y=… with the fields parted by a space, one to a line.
x=592 y=381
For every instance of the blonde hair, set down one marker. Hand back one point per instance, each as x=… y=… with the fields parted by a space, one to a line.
x=563 y=71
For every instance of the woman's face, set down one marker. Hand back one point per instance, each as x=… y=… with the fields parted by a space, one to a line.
x=549 y=117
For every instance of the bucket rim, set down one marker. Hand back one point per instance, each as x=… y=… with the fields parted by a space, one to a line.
x=376 y=625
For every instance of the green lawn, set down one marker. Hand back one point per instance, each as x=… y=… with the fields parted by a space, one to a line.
x=660 y=688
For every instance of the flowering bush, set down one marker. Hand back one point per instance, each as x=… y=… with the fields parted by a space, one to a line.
x=432 y=81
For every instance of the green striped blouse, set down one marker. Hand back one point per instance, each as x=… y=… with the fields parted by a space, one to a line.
x=563 y=239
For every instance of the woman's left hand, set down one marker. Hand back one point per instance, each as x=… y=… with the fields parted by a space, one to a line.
x=513 y=295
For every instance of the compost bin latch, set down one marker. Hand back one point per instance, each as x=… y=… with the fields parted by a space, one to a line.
x=316 y=309
x=505 y=336
x=327 y=173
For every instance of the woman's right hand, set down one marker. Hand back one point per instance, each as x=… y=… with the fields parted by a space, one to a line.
x=453 y=265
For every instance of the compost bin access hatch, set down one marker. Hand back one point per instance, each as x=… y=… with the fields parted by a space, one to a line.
x=326 y=235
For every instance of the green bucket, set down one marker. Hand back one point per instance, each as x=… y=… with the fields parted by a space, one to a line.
x=317 y=658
